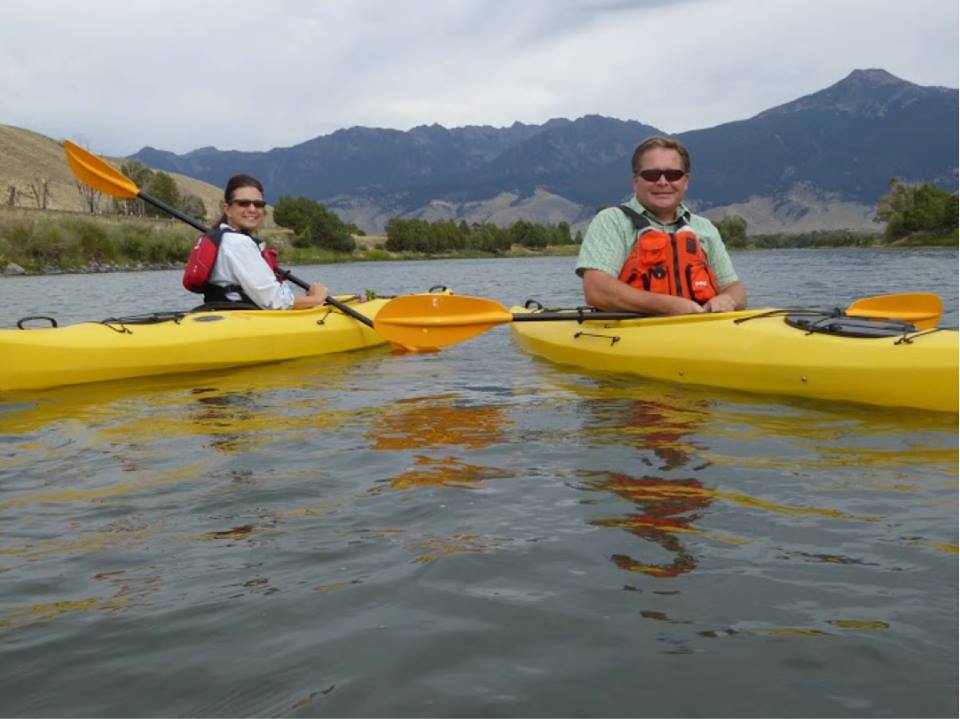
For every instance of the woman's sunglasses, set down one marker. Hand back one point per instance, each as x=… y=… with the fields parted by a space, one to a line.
x=654 y=175
x=259 y=204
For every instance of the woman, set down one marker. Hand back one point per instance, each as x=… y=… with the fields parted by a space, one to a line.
x=245 y=269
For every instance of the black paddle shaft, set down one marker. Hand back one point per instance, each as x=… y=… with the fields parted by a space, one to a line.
x=580 y=315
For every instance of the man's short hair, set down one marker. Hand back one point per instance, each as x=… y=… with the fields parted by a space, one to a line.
x=664 y=143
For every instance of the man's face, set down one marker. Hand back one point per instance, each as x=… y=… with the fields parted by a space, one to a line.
x=661 y=196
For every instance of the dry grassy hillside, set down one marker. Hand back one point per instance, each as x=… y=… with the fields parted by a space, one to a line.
x=28 y=159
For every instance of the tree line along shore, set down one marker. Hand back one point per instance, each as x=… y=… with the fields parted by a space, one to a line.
x=130 y=235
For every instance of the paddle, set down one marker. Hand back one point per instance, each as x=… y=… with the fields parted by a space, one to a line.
x=103 y=177
x=922 y=309
x=435 y=321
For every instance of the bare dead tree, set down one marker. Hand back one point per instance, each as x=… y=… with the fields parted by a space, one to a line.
x=39 y=192
x=89 y=197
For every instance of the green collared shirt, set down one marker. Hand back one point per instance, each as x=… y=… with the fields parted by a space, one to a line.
x=611 y=236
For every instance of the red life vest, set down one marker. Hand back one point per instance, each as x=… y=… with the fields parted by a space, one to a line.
x=669 y=263
x=203 y=257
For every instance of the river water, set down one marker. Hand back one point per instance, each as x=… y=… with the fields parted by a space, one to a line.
x=474 y=532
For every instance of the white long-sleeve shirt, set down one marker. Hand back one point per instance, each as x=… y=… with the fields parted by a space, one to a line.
x=239 y=262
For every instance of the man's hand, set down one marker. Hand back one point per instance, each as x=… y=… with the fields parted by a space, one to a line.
x=683 y=306
x=608 y=293
x=720 y=303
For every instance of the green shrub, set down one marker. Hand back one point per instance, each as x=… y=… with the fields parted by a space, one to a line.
x=52 y=244
x=93 y=243
x=132 y=240
x=376 y=255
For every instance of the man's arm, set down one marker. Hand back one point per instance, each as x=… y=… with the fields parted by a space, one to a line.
x=607 y=293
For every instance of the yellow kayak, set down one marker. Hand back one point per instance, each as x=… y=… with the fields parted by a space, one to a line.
x=168 y=343
x=757 y=351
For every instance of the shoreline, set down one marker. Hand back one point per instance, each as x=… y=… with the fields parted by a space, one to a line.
x=12 y=269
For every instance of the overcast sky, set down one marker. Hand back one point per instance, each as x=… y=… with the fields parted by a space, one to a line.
x=116 y=75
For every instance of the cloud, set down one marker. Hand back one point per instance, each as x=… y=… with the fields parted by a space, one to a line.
x=251 y=75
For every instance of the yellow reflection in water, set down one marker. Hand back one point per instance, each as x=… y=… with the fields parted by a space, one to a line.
x=941 y=546
x=142 y=482
x=22 y=616
x=92 y=542
x=438 y=420
x=858 y=624
x=124 y=431
x=131 y=591
x=433 y=547
x=218 y=398
x=333 y=586
x=799 y=632
x=445 y=471
x=792 y=632
x=820 y=456
x=652 y=489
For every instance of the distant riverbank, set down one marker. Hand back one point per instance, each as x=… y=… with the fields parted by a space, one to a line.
x=13 y=269
x=35 y=243
x=59 y=243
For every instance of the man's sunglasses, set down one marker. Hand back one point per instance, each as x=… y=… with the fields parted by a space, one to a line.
x=259 y=204
x=654 y=175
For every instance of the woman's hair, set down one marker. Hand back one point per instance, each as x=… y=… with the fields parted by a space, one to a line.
x=234 y=184
x=664 y=143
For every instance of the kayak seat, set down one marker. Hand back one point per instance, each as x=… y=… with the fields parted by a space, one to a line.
x=221 y=306
x=843 y=326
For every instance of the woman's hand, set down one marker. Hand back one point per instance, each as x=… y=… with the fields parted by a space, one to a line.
x=319 y=292
x=316 y=296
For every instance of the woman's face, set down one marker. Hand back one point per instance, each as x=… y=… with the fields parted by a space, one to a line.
x=246 y=209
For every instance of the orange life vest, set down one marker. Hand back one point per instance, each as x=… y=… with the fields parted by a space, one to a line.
x=669 y=263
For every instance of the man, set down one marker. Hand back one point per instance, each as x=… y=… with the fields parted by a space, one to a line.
x=653 y=255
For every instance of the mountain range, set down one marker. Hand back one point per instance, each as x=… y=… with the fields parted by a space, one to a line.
x=818 y=162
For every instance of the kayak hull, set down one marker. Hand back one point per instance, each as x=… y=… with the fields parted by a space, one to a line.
x=40 y=358
x=743 y=351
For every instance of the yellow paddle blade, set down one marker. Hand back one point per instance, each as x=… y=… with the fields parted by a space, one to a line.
x=923 y=309
x=435 y=321
x=96 y=173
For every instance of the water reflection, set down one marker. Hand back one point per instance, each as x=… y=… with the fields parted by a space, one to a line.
x=223 y=412
x=444 y=421
x=667 y=508
x=445 y=471
x=805 y=463
x=95 y=474
x=438 y=420
x=251 y=389
x=664 y=429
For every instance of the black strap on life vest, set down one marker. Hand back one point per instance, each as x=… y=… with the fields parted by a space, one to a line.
x=217 y=294
x=641 y=222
